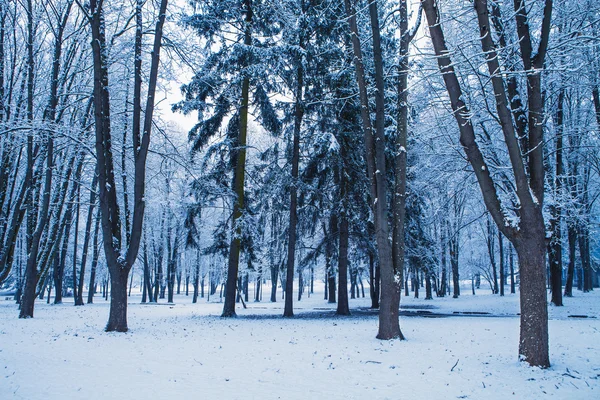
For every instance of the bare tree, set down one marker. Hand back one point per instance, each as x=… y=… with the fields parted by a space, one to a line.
x=528 y=233
x=120 y=257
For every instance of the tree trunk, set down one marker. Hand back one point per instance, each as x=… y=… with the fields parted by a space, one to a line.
x=492 y=255
x=238 y=180
x=533 y=345
x=329 y=270
x=274 y=274
x=512 y=271
x=117 y=319
x=293 y=221
x=342 y=304
x=572 y=237
x=92 y=285
x=86 y=241
x=389 y=324
x=75 y=239
x=454 y=264
x=372 y=282
x=555 y=245
x=428 y=290
x=443 y=278
x=501 y=252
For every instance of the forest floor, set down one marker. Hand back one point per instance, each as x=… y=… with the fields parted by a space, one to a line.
x=186 y=350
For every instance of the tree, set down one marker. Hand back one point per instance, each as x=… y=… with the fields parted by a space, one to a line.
x=527 y=233
x=120 y=257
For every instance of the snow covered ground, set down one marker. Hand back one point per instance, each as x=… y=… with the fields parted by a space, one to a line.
x=187 y=350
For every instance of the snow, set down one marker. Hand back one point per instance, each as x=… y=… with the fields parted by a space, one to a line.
x=186 y=350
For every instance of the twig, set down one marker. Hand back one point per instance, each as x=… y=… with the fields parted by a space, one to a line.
x=454 y=366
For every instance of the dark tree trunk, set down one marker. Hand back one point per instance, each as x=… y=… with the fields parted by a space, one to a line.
x=92 y=285
x=501 y=252
x=443 y=278
x=75 y=239
x=86 y=240
x=572 y=236
x=293 y=221
x=274 y=274
x=238 y=180
x=330 y=270
x=353 y=284
x=117 y=318
x=342 y=304
x=34 y=236
x=147 y=279
x=389 y=324
x=258 y=288
x=555 y=245
x=57 y=275
x=492 y=255
x=197 y=278
x=372 y=282
x=454 y=263
x=531 y=250
x=300 y=284
x=512 y=271
x=428 y=290
x=584 y=253
x=130 y=285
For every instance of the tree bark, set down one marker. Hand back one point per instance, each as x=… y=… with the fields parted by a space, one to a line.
x=293 y=221
x=86 y=240
x=342 y=304
x=238 y=180
x=555 y=246
x=501 y=264
x=92 y=284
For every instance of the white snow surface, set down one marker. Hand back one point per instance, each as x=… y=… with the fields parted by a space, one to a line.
x=186 y=350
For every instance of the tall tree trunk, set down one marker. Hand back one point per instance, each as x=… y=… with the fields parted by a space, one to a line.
x=238 y=180
x=501 y=252
x=329 y=269
x=75 y=238
x=94 y=266
x=293 y=221
x=454 y=248
x=197 y=278
x=512 y=271
x=274 y=274
x=31 y=271
x=389 y=324
x=342 y=304
x=372 y=291
x=443 y=278
x=492 y=254
x=428 y=290
x=86 y=240
x=555 y=245
x=147 y=279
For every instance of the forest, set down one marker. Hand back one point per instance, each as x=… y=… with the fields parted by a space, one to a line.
x=294 y=155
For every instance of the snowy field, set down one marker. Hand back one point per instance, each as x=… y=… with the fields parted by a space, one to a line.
x=185 y=350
